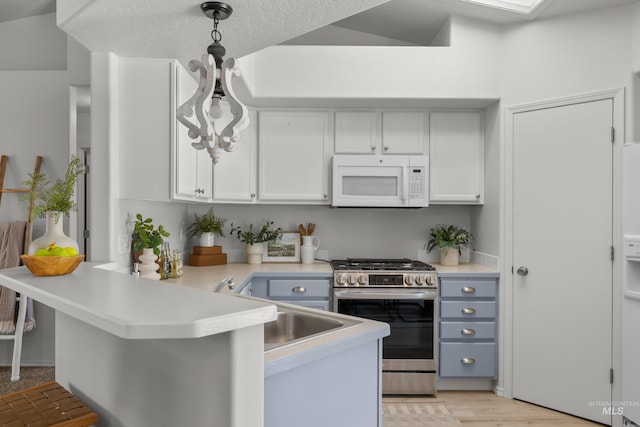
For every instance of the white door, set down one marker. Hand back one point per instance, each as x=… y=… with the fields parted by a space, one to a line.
x=562 y=234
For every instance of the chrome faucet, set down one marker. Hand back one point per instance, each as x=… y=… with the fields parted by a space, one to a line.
x=227 y=281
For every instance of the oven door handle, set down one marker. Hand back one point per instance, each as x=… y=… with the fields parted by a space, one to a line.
x=384 y=295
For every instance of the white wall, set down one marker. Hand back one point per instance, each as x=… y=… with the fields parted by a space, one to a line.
x=485 y=219
x=33 y=43
x=466 y=69
x=34 y=121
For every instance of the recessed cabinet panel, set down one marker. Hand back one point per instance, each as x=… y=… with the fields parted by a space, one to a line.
x=456 y=156
x=294 y=156
x=193 y=168
x=234 y=177
x=403 y=132
x=356 y=132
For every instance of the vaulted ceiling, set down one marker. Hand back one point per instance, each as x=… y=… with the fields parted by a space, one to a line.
x=177 y=28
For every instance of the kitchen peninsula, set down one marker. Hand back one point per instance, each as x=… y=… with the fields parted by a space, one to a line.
x=149 y=353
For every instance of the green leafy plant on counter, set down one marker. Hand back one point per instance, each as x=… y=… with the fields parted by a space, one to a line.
x=58 y=197
x=207 y=223
x=266 y=234
x=145 y=235
x=448 y=236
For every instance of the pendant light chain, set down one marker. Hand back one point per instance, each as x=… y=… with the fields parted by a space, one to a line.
x=215 y=34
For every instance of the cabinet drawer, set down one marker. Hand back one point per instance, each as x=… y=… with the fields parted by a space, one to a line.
x=468 y=359
x=467 y=330
x=467 y=309
x=314 y=303
x=468 y=289
x=298 y=288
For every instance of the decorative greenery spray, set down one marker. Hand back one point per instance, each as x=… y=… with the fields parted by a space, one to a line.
x=145 y=235
x=58 y=197
x=249 y=237
x=448 y=236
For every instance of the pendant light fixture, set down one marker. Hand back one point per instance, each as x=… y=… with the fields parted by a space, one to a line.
x=219 y=114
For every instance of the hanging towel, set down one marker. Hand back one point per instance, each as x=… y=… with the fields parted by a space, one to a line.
x=11 y=244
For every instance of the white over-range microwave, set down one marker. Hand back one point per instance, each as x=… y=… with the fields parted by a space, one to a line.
x=380 y=181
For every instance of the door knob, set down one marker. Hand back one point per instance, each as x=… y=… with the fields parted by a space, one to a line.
x=522 y=271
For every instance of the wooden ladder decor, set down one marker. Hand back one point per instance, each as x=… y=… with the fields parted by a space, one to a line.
x=36 y=171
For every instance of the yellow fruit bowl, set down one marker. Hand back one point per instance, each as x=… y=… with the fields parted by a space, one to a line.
x=51 y=265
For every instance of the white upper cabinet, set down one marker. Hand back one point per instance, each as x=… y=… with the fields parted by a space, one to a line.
x=404 y=132
x=193 y=168
x=156 y=159
x=456 y=158
x=234 y=177
x=375 y=132
x=294 y=155
x=356 y=132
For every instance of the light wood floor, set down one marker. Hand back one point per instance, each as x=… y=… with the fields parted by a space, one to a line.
x=486 y=409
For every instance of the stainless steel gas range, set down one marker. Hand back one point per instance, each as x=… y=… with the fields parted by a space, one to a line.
x=402 y=293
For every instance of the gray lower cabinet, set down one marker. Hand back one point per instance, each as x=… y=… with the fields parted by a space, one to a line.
x=468 y=340
x=303 y=291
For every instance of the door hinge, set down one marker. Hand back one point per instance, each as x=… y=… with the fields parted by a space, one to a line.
x=612 y=252
x=613 y=134
x=85 y=234
x=611 y=376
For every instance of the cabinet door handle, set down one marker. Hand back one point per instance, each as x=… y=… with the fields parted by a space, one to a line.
x=299 y=289
x=468 y=310
x=466 y=331
x=373 y=148
x=386 y=148
x=468 y=289
x=467 y=360
x=477 y=196
x=253 y=195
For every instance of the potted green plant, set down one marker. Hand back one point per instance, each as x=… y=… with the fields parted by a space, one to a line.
x=206 y=227
x=51 y=203
x=450 y=239
x=254 y=240
x=146 y=238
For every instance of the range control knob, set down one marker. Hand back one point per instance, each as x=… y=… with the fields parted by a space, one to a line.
x=340 y=279
x=362 y=279
x=352 y=279
x=432 y=279
x=420 y=280
x=408 y=280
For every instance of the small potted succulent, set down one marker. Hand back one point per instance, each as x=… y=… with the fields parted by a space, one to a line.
x=449 y=238
x=206 y=227
x=147 y=238
x=254 y=240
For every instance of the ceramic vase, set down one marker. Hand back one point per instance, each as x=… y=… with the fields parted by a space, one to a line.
x=206 y=239
x=449 y=256
x=148 y=265
x=308 y=249
x=254 y=253
x=54 y=233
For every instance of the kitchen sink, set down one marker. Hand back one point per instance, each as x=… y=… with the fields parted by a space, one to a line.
x=293 y=326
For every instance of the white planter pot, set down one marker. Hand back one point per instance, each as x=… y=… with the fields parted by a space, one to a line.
x=449 y=256
x=254 y=253
x=206 y=239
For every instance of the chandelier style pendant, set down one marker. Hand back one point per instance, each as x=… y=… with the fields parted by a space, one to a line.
x=219 y=114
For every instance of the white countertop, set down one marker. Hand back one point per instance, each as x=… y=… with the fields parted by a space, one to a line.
x=137 y=308
x=206 y=278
